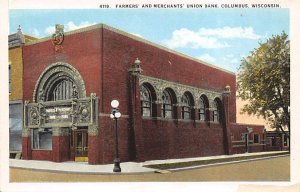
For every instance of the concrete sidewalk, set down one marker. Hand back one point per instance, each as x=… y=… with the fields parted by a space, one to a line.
x=127 y=167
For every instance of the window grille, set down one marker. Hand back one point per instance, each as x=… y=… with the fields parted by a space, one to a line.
x=186 y=107
x=166 y=107
x=146 y=101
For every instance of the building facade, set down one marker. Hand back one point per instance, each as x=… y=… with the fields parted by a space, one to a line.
x=172 y=105
x=277 y=141
x=15 y=43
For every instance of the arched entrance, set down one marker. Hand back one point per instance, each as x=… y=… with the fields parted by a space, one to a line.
x=61 y=116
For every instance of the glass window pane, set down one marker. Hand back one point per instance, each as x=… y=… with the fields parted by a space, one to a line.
x=186 y=109
x=41 y=139
x=9 y=77
x=146 y=101
x=215 y=112
x=202 y=109
x=202 y=117
x=186 y=115
x=166 y=107
x=255 y=138
x=168 y=114
x=146 y=112
x=15 y=127
x=45 y=140
x=34 y=139
x=215 y=117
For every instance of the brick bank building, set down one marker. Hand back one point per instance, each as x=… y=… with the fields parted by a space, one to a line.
x=172 y=105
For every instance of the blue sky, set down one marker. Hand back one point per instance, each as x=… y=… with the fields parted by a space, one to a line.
x=218 y=36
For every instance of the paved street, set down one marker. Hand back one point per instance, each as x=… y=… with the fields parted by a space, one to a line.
x=272 y=169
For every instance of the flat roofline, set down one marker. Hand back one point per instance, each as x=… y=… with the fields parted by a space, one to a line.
x=121 y=32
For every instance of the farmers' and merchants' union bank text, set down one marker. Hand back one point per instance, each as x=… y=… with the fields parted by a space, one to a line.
x=193 y=6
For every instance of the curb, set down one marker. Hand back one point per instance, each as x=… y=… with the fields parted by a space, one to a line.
x=85 y=173
x=224 y=163
x=149 y=171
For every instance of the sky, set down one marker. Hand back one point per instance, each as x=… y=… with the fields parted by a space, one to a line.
x=221 y=37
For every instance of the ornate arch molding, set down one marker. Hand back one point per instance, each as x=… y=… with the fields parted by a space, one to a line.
x=213 y=99
x=160 y=85
x=52 y=74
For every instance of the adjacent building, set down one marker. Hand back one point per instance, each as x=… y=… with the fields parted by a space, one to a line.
x=275 y=140
x=15 y=43
x=172 y=105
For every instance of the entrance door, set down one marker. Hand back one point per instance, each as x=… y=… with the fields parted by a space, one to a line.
x=80 y=138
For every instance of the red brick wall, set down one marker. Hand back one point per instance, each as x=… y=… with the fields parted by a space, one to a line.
x=239 y=146
x=107 y=140
x=60 y=148
x=42 y=155
x=93 y=152
x=120 y=52
x=82 y=50
x=26 y=148
x=170 y=139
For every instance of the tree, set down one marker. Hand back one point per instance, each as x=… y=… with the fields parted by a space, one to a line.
x=264 y=81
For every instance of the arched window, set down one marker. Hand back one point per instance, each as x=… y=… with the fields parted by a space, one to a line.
x=59 y=81
x=216 y=111
x=166 y=107
x=202 y=109
x=186 y=107
x=62 y=90
x=146 y=101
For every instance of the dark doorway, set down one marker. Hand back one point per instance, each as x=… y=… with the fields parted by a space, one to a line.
x=80 y=144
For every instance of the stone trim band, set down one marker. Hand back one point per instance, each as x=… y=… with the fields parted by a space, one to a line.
x=160 y=85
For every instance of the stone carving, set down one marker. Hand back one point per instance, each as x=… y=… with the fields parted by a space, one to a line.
x=59 y=131
x=58 y=38
x=55 y=131
x=136 y=68
x=25 y=132
x=41 y=95
x=93 y=95
x=62 y=114
x=74 y=92
x=83 y=112
x=179 y=89
x=33 y=118
x=93 y=130
x=16 y=39
x=227 y=90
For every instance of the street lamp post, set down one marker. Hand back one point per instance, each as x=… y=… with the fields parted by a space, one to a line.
x=249 y=130
x=115 y=114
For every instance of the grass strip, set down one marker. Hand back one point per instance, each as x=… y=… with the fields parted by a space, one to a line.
x=165 y=166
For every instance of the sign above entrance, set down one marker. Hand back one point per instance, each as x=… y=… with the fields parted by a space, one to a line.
x=58 y=114
x=62 y=113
